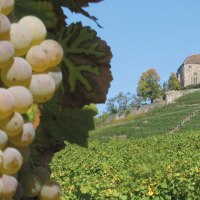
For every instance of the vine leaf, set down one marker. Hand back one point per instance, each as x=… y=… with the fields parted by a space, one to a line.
x=86 y=66
x=42 y=9
x=69 y=124
x=76 y=6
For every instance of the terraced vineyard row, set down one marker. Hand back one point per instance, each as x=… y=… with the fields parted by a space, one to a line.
x=165 y=167
x=137 y=159
x=158 y=121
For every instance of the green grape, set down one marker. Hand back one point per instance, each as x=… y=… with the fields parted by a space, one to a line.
x=6 y=6
x=50 y=191
x=10 y=184
x=1 y=160
x=11 y=161
x=54 y=51
x=7 y=104
x=23 y=98
x=19 y=73
x=42 y=173
x=24 y=51
x=25 y=152
x=4 y=27
x=26 y=137
x=42 y=87
x=21 y=38
x=38 y=59
x=12 y=125
x=37 y=28
x=56 y=75
x=3 y=139
x=7 y=53
x=31 y=185
x=1 y=187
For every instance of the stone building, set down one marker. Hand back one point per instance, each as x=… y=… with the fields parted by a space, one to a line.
x=189 y=72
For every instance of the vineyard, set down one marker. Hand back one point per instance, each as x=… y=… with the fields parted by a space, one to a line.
x=149 y=163
x=52 y=75
x=50 y=72
x=158 y=121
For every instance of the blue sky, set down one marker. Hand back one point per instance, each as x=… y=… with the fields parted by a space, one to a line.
x=145 y=34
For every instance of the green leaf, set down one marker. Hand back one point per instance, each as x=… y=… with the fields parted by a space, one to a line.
x=68 y=124
x=86 y=66
x=85 y=189
x=72 y=39
x=164 y=185
x=42 y=9
x=123 y=197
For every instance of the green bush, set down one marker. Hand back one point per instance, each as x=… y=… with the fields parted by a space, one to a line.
x=158 y=167
x=193 y=86
x=101 y=120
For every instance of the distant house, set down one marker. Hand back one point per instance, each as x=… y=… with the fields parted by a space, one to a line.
x=189 y=72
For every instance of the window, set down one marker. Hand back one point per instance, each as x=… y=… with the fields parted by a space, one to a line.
x=195 y=81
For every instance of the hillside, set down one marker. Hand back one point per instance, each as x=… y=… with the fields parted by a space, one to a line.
x=182 y=115
x=153 y=157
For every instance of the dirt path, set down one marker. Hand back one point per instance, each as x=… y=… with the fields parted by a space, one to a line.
x=184 y=120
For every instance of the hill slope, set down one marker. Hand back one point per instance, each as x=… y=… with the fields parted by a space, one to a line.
x=182 y=115
x=161 y=167
x=143 y=162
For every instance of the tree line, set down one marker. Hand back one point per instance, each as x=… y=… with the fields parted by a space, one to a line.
x=149 y=89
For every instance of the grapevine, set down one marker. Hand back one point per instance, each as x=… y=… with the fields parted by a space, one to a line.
x=49 y=71
x=30 y=75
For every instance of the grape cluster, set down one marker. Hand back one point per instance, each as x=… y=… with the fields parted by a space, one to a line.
x=29 y=73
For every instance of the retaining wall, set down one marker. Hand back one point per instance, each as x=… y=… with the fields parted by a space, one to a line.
x=171 y=96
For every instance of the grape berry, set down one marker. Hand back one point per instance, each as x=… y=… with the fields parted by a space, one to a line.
x=29 y=74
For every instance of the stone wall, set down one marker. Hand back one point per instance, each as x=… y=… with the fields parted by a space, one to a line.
x=171 y=96
x=141 y=110
x=147 y=107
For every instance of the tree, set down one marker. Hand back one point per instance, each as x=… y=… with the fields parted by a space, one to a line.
x=123 y=101
x=120 y=102
x=164 y=89
x=148 y=86
x=111 y=106
x=136 y=101
x=173 y=82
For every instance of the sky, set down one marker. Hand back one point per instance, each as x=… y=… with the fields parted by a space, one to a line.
x=144 y=34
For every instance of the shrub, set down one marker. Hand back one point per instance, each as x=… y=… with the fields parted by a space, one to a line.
x=193 y=86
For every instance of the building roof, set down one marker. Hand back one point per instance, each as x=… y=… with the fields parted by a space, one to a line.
x=193 y=59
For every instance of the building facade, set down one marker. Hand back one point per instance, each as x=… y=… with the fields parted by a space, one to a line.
x=189 y=72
